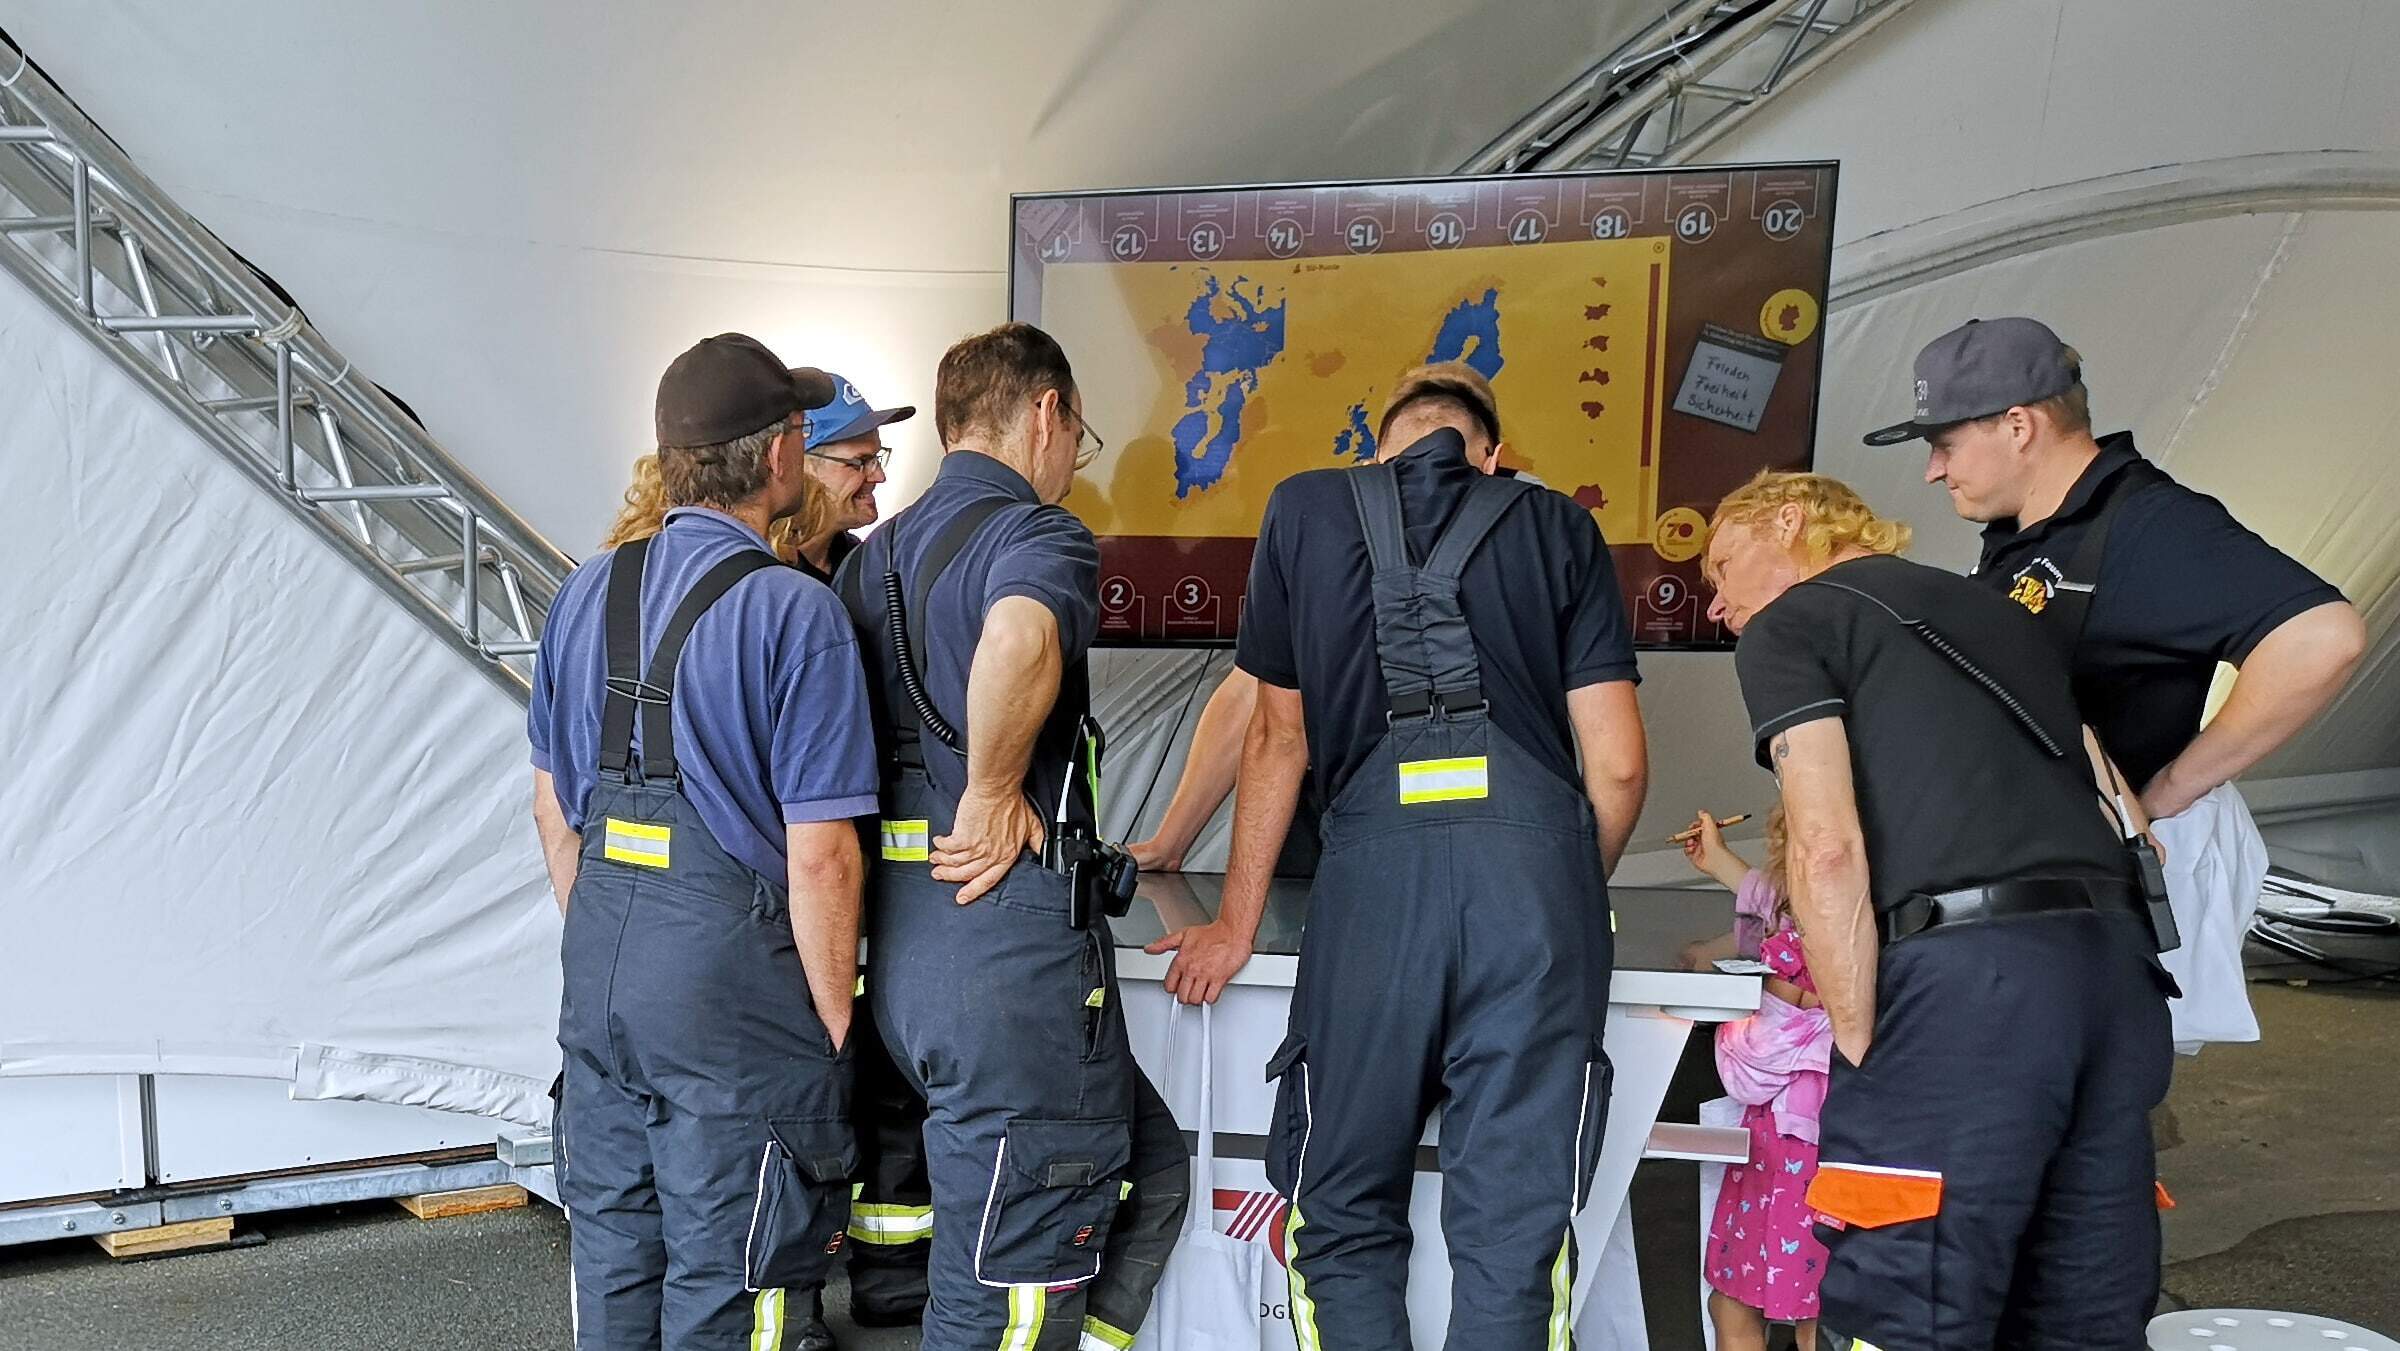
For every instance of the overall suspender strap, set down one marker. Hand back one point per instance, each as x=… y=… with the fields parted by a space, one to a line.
x=2073 y=595
x=658 y=713
x=622 y=620
x=1421 y=636
x=908 y=657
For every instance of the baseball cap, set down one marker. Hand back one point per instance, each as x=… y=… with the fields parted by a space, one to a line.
x=1982 y=367
x=848 y=414
x=726 y=387
x=1444 y=379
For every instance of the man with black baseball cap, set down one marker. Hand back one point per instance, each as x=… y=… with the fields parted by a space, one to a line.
x=701 y=743
x=2146 y=585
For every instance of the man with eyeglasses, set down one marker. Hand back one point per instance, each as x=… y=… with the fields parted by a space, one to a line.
x=891 y=1218
x=1059 y=1177
x=847 y=456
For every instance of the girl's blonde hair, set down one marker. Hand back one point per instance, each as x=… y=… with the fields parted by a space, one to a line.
x=1778 y=868
x=646 y=505
x=1835 y=517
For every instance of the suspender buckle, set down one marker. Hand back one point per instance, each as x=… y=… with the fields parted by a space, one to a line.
x=1414 y=704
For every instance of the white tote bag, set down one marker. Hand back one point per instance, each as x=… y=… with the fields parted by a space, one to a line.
x=1208 y=1299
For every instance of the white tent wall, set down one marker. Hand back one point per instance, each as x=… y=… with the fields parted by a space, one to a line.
x=261 y=822
x=513 y=215
x=2251 y=355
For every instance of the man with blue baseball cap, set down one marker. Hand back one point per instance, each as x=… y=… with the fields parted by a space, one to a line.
x=891 y=1219
x=2146 y=586
x=847 y=455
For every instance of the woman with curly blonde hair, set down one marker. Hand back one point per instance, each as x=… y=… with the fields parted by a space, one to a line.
x=645 y=513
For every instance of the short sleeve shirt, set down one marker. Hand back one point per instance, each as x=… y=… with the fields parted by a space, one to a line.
x=2182 y=587
x=1026 y=548
x=1952 y=790
x=771 y=721
x=1540 y=597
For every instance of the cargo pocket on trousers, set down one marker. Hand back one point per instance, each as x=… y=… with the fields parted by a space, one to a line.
x=1591 y=1128
x=1883 y=1221
x=1054 y=1195
x=1287 y=1129
x=802 y=1209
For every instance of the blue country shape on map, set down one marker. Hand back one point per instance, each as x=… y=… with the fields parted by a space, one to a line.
x=1470 y=332
x=1240 y=335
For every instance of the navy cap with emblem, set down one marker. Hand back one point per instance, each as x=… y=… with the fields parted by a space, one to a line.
x=849 y=414
x=1983 y=367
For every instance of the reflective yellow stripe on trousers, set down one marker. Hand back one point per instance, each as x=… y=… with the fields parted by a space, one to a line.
x=1453 y=780
x=887 y=1225
x=766 y=1321
x=1101 y=1336
x=1304 y=1309
x=907 y=841
x=1026 y=1305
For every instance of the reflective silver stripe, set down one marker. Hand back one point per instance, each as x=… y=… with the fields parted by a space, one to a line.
x=1451 y=780
x=907 y=841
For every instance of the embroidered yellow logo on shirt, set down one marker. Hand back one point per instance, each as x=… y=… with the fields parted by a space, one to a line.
x=2031 y=592
x=907 y=841
x=1452 y=780
x=638 y=842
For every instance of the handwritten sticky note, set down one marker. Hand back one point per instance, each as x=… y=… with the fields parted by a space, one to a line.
x=1730 y=378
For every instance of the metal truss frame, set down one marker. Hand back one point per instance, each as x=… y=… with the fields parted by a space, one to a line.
x=1672 y=89
x=89 y=233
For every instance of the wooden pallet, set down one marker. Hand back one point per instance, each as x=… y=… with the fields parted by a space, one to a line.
x=471 y=1201
x=167 y=1238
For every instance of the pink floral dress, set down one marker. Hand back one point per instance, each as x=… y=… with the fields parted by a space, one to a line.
x=1761 y=1247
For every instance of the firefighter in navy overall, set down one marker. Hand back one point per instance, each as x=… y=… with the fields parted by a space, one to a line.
x=1433 y=642
x=1059 y=1179
x=891 y=1216
x=702 y=744
x=1983 y=920
x=2147 y=586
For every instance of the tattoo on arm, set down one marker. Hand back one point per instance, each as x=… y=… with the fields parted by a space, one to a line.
x=1781 y=749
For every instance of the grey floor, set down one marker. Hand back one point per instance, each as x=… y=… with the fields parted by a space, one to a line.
x=2283 y=1157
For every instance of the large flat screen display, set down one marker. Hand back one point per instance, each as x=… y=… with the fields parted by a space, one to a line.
x=1654 y=339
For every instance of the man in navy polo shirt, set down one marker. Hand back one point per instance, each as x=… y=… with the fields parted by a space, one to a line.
x=1447 y=652
x=700 y=745
x=2146 y=586
x=1059 y=1176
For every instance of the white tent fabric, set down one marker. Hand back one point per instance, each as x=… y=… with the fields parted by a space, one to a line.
x=258 y=820
x=302 y=827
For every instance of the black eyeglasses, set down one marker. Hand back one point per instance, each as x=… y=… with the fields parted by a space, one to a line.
x=881 y=459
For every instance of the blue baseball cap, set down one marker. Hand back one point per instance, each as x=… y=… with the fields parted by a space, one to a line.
x=848 y=414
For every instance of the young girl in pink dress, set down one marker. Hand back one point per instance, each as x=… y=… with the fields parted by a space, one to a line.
x=1761 y=1256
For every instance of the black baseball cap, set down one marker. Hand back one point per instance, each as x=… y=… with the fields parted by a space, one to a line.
x=1982 y=367
x=726 y=387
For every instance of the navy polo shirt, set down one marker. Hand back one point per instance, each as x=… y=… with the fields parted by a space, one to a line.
x=2182 y=587
x=1024 y=549
x=771 y=722
x=1540 y=597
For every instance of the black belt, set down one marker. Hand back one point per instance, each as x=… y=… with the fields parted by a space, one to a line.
x=1918 y=912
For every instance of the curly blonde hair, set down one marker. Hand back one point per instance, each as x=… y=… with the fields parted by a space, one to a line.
x=646 y=506
x=1835 y=517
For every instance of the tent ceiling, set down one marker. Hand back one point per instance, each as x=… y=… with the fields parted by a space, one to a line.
x=513 y=217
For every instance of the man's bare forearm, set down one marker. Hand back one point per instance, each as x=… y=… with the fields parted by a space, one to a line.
x=1616 y=761
x=562 y=846
x=1011 y=686
x=2287 y=680
x=1274 y=761
x=1832 y=900
x=825 y=873
x=1213 y=763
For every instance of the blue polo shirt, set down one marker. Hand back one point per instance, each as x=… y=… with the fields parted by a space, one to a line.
x=1025 y=549
x=771 y=722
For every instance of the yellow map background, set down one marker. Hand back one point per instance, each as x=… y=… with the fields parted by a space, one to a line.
x=1352 y=325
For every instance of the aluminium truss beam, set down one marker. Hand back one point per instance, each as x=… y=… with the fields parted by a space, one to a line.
x=84 y=229
x=1669 y=91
